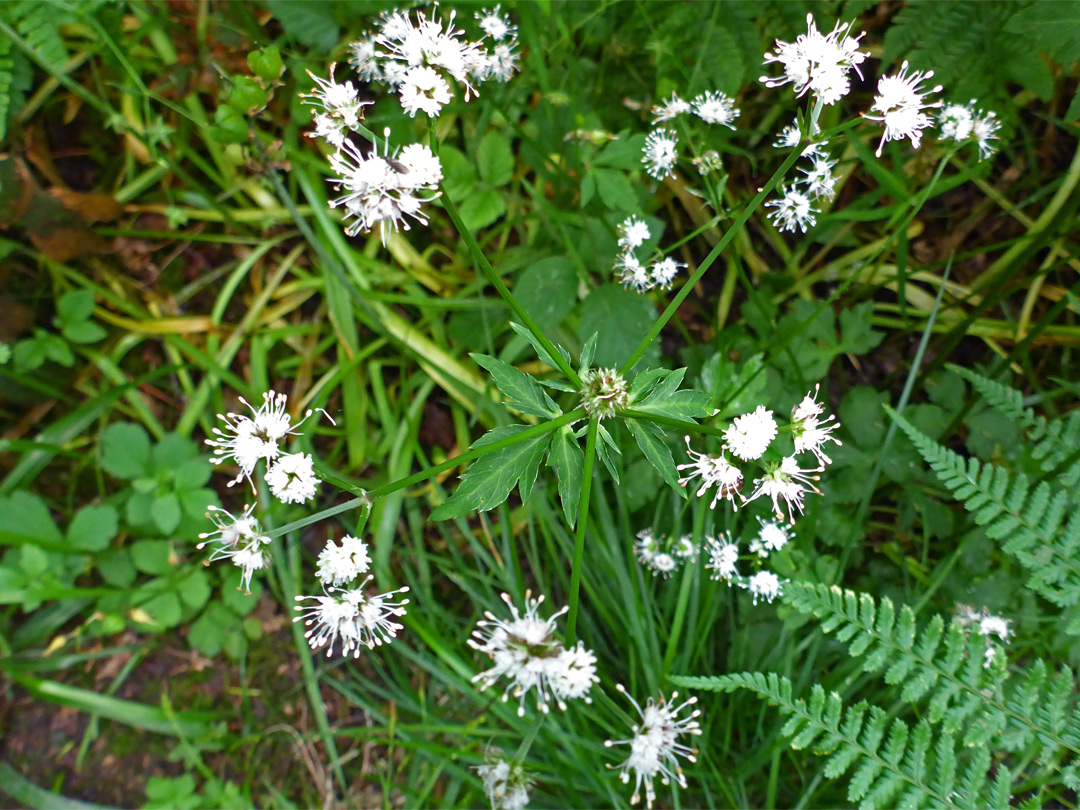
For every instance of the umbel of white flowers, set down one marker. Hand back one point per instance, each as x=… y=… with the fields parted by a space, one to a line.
x=526 y=652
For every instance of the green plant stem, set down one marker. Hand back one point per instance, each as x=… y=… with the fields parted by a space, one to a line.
x=725 y=240
x=689 y=572
x=678 y=424
x=497 y=283
x=423 y=475
x=579 y=533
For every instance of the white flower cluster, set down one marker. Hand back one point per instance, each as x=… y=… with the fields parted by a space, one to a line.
x=664 y=555
x=818 y=63
x=966 y=122
x=899 y=105
x=422 y=59
x=795 y=208
x=987 y=625
x=524 y=650
x=747 y=438
x=238 y=539
x=633 y=273
x=723 y=559
x=661 y=150
x=246 y=440
x=351 y=615
x=505 y=783
x=655 y=746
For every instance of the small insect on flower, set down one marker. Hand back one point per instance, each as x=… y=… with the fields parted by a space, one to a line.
x=723 y=557
x=292 y=478
x=670 y=109
x=340 y=564
x=660 y=153
x=786 y=482
x=793 y=211
x=749 y=435
x=714 y=471
x=717 y=108
x=506 y=783
x=899 y=105
x=655 y=747
x=818 y=62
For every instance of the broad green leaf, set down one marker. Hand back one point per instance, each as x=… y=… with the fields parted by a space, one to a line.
x=194 y=589
x=74 y=306
x=541 y=352
x=173 y=450
x=208 y=632
x=651 y=441
x=165 y=510
x=490 y=479
x=615 y=190
x=623 y=153
x=856 y=334
x=312 y=24
x=33 y=561
x=246 y=96
x=125 y=450
x=568 y=460
x=666 y=400
x=495 y=159
x=92 y=528
x=83 y=332
x=26 y=518
x=734 y=388
x=236 y=598
x=151 y=556
x=548 y=290
x=229 y=125
x=459 y=176
x=481 y=208
x=266 y=64
x=622 y=318
x=164 y=609
x=524 y=393
x=116 y=567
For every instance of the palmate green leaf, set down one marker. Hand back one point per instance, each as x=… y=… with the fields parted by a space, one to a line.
x=495 y=159
x=547 y=290
x=566 y=457
x=651 y=441
x=92 y=528
x=491 y=478
x=524 y=393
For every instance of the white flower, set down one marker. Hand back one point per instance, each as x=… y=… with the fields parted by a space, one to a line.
x=632 y=273
x=332 y=130
x=716 y=108
x=240 y=540
x=633 y=233
x=424 y=90
x=818 y=62
x=521 y=649
x=664 y=564
x=670 y=109
x=985 y=129
x=380 y=189
x=820 y=181
x=494 y=24
x=686 y=548
x=988 y=656
x=715 y=471
x=655 y=746
x=664 y=272
x=957 y=121
x=427 y=43
x=764 y=584
x=793 y=210
x=646 y=546
x=723 y=557
x=338 y=101
x=750 y=435
x=789 y=138
x=423 y=169
x=809 y=430
x=787 y=482
x=365 y=59
x=660 y=153
x=572 y=674
x=340 y=564
x=990 y=625
x=291 y=478
x=352 y=616
x=899 y=104
x=502 y=63
x=773 y=535
x=966 y=615
x=246 y=439
x=505 y=783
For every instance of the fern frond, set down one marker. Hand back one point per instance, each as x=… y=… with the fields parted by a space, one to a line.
x=962 y=695
x=1003 y=399
x=1029 y=521
x=893 y=769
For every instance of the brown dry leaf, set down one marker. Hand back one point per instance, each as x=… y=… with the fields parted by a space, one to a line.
x=91 y=207
x=17 y=189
